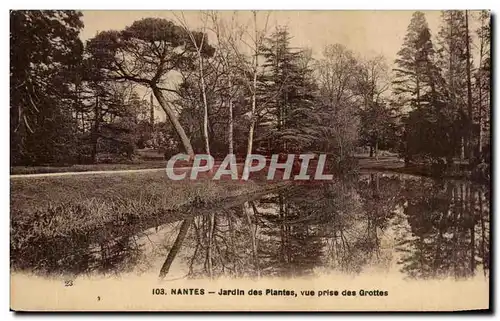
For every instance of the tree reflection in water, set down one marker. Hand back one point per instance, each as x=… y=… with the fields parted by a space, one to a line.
x=420 y=227
x=431 y=229
x=447 y=230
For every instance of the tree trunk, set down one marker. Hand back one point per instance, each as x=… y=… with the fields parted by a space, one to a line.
x=418 y=90
x=461 y=229
x=480 y=87
x=254 y=96
x=231 y=125
x=211 y=229
x=253 y=236
x=251 y=129
x=254 y=93
x=232 y=237
x=480 y=120
x=95 y=132
x=376 y=149
x=186 y=224
x=205 y=105
x=469 y=90
x=282 y=227
x=462 y=147
x=472 y=208
x=175 y=122
x=483 y=229
x=152 y=115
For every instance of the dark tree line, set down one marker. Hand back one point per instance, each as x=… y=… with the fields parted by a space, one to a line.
x=44 y=55
x=440 y=89
x=229 y=88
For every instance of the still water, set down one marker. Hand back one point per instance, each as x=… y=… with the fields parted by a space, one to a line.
x=417 y=227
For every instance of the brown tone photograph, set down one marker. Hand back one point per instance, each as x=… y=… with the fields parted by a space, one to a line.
x=393 y=106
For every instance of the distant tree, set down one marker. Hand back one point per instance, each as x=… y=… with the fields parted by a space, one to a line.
x=378 y=128
x=125 y=122
x=336 y=73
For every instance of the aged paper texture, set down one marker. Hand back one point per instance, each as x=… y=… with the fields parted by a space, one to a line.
x=250 y=160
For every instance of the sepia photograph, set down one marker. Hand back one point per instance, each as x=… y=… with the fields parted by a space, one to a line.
x=287 y=160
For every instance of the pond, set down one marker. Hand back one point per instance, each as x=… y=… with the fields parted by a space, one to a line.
x=417 y=227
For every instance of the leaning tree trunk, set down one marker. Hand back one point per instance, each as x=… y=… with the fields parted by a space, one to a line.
x=186 y=224
x=173 y=119
x=253 y=236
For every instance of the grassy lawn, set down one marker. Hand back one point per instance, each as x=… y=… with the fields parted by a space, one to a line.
x=52 y=207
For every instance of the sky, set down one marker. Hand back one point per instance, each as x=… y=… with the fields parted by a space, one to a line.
x=367 y=33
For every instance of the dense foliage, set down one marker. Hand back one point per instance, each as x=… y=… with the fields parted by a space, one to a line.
x=76 y=103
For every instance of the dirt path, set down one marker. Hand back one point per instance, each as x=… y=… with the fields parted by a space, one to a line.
x=125 y=171
x=364 y=163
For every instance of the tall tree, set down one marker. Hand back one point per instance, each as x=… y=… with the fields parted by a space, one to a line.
x=257 y=43
x=226 y=34
x=414 y=66
x=200 y=56
x=482 y=80
x=418 y=88
x=286 y=94
x=453 y=61
x=469 y=86
x=250 y=40
x=45 y=57
x=147 y=52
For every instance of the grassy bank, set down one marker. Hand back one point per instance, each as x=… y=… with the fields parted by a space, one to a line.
x=54 y=207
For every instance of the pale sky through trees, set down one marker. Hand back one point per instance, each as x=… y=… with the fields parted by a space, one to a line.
x=367 y=33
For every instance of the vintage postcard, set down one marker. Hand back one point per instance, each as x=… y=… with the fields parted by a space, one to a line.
x=250 y=160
